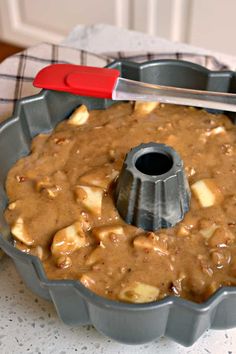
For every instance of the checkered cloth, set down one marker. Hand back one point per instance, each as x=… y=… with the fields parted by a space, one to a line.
x=18 y=71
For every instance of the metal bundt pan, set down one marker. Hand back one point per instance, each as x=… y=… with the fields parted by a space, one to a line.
x=176 y=318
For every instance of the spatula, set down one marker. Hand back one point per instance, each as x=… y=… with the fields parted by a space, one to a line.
x=107 y=83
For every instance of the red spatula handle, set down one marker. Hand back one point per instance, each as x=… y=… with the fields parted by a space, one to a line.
x=78 y=79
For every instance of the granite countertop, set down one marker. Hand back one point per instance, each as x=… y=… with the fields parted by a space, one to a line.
x=30 y=324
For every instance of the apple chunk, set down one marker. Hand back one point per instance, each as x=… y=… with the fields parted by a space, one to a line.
x=207 y=192
x=95 y=256
x=139 y=293
x=151 y=242
x=144 y=107
x=209 y=231
x=87 y=281
x=20 y=232
x=68 y=240
x=90 y=198
x=102 y=233
x=98 y=177
x=79 y=116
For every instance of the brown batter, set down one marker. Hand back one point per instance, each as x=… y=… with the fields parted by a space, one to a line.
x=61 y=204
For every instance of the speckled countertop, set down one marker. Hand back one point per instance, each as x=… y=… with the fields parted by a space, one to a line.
x=29 y=324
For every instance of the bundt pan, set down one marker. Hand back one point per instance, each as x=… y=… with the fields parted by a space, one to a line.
x=176 y=318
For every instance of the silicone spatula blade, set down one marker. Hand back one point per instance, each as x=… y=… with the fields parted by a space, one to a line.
x=78 y=79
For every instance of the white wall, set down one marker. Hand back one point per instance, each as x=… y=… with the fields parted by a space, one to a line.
x=207 y=23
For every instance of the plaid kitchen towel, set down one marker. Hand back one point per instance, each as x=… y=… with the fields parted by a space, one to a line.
x=18 y=71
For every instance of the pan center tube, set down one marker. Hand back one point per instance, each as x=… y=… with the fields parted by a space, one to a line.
x=152 y=190
x=154 y=163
